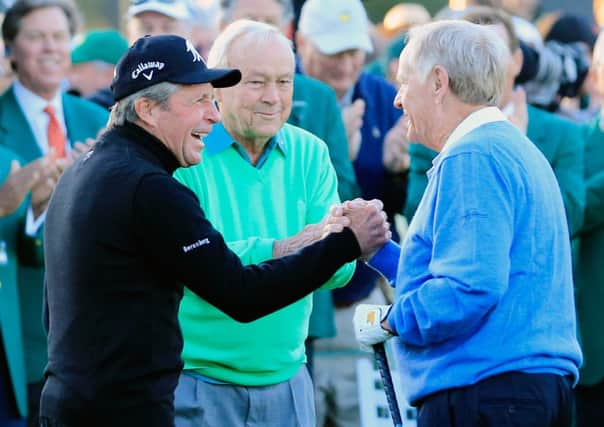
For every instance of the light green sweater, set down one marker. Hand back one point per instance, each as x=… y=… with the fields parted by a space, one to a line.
x=252 y=207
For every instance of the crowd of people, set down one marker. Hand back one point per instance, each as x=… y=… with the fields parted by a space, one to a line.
x=192 y=213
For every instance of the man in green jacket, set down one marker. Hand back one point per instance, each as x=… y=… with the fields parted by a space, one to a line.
x=559 y=140
x=37 y=118
x=15 y=184
x=589 y=273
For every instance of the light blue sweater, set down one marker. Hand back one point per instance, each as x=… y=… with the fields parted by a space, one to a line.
x=484 y=280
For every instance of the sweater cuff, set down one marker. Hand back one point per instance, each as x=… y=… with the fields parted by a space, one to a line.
x=345 y=244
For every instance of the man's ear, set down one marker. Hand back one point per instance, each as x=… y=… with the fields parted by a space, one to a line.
x=439 y=82
x=145 y=110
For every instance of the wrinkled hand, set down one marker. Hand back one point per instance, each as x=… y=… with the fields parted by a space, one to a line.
x=308 y=235
x=352 y=117
x=50 y=171
x=369 y=321
x=369 y=224
x=396 y=147
x=17 y=184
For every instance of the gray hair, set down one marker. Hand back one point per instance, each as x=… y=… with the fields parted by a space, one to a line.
x=253 y=31
x=473 y=55
x=227 y=7
x=123 y=111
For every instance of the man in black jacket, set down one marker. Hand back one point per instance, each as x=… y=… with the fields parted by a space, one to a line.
x=122 y=237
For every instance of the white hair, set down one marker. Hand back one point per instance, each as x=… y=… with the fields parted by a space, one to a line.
x=473 y=56
x=254 y=32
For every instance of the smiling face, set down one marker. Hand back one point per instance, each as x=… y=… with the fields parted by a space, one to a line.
x=340 y=70
x=416 y=99
x=41 y=50
x=186 y=119
x=254 y=110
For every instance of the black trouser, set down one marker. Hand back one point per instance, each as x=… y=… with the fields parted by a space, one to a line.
x=512 y=399
x=589 y=402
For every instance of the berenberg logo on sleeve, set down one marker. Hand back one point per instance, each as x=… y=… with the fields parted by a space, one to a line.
x=143 y=66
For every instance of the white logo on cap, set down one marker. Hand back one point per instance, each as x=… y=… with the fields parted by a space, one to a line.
x=196 y=55
x=145 y=66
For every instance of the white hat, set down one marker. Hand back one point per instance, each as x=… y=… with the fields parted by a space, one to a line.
x=335 y=25
x=176 y=9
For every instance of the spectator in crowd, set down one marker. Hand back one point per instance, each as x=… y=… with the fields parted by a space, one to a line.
x=333 y=40
x=37 y=118
x=315 y=109
x=15 y=183
x=526 y=9
x=589 y=274
x=568 y=28
x=153 y=17
x=485 y=324
x=111 y=314
x=93 y=63
x=401 y=17
x=266 y=185
x=557 y=138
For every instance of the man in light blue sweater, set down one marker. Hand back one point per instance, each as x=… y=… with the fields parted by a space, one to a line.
x=484 y=312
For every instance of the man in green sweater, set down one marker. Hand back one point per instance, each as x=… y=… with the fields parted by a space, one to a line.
x=265 y=185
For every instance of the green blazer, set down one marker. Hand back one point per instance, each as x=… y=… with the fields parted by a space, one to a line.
x=83 y=120
x=316 y=110
x=560 y=141
x=10 y=311
x=589 y=270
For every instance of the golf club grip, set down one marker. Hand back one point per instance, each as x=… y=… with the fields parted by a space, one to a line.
x=382 y=363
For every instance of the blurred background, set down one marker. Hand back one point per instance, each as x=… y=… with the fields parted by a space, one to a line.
x=107 y=13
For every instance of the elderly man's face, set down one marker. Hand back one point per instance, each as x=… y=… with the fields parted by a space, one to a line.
x=185 y=121
x=340 y=71
x=414 y=97
x=267 y=11
x=41 y=51
x=254 y=110
x=153 y=24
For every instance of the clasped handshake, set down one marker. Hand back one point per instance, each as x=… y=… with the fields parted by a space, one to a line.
x=366 y=219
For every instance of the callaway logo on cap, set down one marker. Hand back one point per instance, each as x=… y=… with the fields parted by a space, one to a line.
x=165 y=58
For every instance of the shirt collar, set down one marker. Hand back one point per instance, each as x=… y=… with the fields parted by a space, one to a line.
x=220 y=139
x=473 y=121
x=34 y=103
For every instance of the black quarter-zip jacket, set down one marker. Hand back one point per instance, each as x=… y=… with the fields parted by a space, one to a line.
x=122 y=238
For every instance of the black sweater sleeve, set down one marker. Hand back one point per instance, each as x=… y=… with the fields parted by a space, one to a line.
x=183 y=244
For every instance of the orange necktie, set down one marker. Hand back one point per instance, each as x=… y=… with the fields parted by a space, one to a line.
x=56 y=138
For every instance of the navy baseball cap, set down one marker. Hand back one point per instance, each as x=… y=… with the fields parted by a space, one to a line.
x=165 y=58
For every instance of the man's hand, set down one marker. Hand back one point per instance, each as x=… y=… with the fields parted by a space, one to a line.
x=369 y=325
x=16 y=186
x=50 y=171
x=352 y=117
x=369 y=224
x=396 y=147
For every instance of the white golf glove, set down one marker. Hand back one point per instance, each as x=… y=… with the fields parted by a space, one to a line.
x=367 y=322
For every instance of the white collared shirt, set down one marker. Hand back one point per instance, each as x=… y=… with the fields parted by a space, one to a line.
x=33 y=107
x=476 y=119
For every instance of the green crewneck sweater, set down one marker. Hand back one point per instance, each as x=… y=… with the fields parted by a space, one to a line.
x=252 y=207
